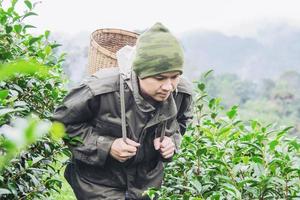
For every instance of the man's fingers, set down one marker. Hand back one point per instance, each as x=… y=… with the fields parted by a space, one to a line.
x=168 y=145
x=166 y=142
x=127 y=154
x=168 y=151
x=168 y=148
x=132 y=143
x=130 y=146
x=156 y=143
x=130 y=149
x=168 y=155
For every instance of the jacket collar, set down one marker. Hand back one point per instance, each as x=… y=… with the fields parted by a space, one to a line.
x=142 y=104
x=165 y=110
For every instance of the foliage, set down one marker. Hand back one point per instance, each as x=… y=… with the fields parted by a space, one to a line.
x=66 y=192
x=266 y=100
x=223 y=157
x=33 y=86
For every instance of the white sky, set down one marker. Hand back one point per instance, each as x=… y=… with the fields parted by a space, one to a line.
x=228 y=16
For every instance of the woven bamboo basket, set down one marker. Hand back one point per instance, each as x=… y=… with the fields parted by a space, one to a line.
x=104 y=45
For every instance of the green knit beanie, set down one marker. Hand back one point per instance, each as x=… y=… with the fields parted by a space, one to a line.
x=157 y=51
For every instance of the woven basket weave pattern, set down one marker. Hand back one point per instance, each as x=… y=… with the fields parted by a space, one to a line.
x=104 y=45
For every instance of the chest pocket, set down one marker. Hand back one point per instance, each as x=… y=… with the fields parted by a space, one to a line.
x=108 y=128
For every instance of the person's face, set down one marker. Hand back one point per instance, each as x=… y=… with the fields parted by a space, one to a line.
x=159 y=87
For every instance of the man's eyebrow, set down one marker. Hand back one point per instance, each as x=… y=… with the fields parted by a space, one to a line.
x=162 y=76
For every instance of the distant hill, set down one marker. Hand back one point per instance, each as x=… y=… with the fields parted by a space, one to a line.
x=275 y=49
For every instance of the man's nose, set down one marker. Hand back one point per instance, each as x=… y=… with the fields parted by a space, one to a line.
x=167 y=85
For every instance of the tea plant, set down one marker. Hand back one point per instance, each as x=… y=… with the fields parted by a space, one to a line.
x=25 y=91
x=223 y=157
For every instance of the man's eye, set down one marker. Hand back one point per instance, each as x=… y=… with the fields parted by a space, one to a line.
x=159 y=78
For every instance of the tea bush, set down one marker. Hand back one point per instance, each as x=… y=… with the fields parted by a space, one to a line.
x=223 y=157
x=31 y=174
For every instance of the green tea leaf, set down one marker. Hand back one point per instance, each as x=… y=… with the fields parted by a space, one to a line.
x=8 y=29
x=9 y=70
x=57 y=131
x=207 y=73
x=197 y=185
x=13 y=3
x=47 y=33
x=4 y=191
x=28 y=26
x=219 y=162
x=211 y=103
x=28 y=4
x=3 y=94
x=232 y=113
x=257 y=159
x=201 y=86
x=53 y=46
x=48 y=50
x=18 y=28
x=5 y=111
x=29 y=14
x=273 y=144
x=33 y=40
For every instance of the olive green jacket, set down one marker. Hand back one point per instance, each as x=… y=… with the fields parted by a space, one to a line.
x=92 y=111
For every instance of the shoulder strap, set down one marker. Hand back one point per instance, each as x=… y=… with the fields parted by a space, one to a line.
x=163 y=131
x=123 y=117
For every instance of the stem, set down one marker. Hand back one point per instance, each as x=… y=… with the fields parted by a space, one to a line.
x=286 y=188
x=198 y=166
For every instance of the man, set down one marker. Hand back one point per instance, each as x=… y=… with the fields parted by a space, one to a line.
x=157 y=106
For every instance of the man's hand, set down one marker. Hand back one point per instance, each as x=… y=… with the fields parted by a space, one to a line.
x=166 y=147
x=122 y=151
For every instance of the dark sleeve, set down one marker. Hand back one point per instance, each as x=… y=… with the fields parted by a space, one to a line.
x=185 y=112
x=76 y=113
x=183 y=117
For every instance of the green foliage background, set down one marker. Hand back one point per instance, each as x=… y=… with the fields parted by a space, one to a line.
x=34 y=173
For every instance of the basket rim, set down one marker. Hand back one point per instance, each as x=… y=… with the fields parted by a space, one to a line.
x=110 y=30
